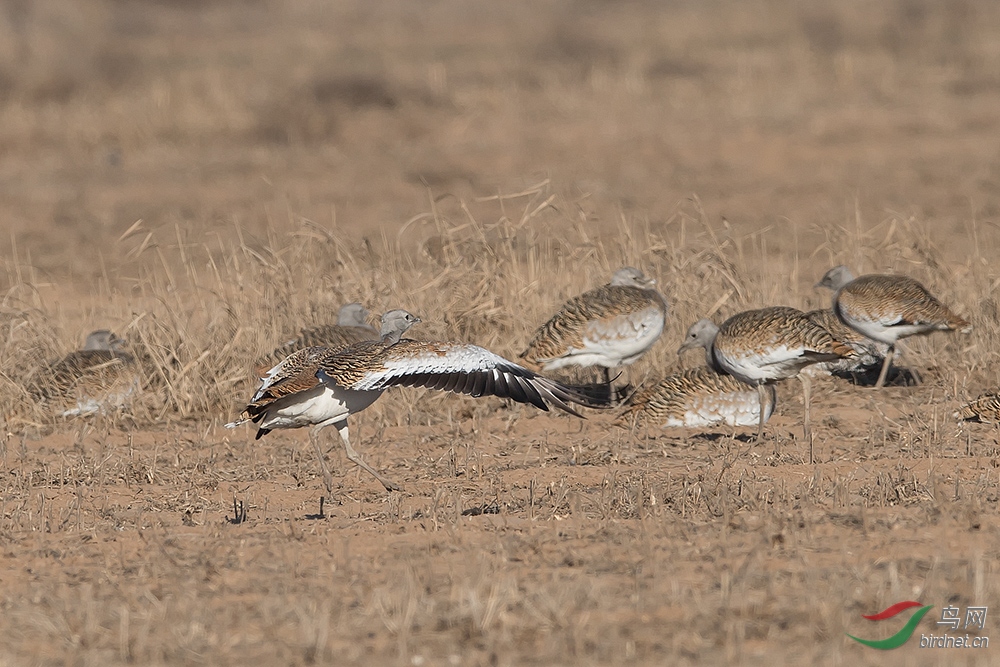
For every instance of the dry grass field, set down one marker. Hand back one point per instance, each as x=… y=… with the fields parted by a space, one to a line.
x=206 y=178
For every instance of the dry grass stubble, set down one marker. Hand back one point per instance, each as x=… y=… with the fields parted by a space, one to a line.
x=519 y=539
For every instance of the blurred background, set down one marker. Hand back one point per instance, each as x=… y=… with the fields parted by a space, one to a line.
x=206 y=115
x=205 y=178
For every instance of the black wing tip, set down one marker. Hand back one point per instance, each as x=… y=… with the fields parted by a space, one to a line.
x=603 y=395
x=261 y=432
x=562 y=396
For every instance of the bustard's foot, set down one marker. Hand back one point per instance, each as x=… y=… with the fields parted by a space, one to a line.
x=390 y=485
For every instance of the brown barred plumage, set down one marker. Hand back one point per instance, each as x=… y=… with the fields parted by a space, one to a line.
x=327 y=335
x=897 y=301
x=868 y=352
x=100 y=375
x=567 y=328
x=610 y=326
x=697 y=397
x=321 y=386
x=887 y=308
x=351 y=327
x=986 y=408
x=757 y=332
x=767 y=345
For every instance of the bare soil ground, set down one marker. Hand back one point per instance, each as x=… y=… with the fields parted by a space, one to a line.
x=207 y=178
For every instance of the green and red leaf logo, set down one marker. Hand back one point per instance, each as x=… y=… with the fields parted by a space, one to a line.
x=904 y=634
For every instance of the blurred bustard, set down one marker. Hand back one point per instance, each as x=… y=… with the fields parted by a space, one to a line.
x=320 y=386
x=986 y=408
x=887 y=308
x=766 y=345
x=610 y=326
x=99 y=376
x=870 y=353
x=351 y=327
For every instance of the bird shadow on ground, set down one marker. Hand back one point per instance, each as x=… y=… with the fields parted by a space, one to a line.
x=896 y=377
x=745 y=438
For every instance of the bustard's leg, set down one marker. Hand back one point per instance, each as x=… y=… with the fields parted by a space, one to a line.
x=905 y=350
x=885 y=366
x=356 y=459
x=327 y=477
x=762 y=397
x=806 y=426
x=607 y=383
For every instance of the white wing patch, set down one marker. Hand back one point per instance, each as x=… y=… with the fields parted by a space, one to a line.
x=276 y=374
x=267 y=380
x=434 y=359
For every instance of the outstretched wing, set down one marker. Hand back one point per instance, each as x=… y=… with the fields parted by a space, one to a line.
x=464 y=369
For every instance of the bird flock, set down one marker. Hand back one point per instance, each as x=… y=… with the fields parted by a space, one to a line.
x=327 y=373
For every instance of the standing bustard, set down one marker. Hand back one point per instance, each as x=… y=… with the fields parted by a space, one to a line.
x=887 y=308
x=320 y=386
x=100 y=375
x=766 y=345
x=610 y=326
x=698 y=397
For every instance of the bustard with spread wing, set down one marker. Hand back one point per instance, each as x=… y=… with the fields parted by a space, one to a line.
x=320 y=386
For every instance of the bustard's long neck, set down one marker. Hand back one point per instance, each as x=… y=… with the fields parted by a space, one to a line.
x=710 y=359
x=713 y=361
x=392 y=336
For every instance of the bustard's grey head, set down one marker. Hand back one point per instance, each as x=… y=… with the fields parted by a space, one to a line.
x=628 y=276
x=104 y=340
x=353 y=315
x=836 y=278
x=394 y=325
x=700 y=334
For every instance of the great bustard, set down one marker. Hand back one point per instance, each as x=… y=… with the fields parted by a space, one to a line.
x=610 y=326
x=887 y=308
x=869 y=353
x=99 y=376
x=698 y=397
x=320 y=386
x=986 y=408
x=762 y=346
